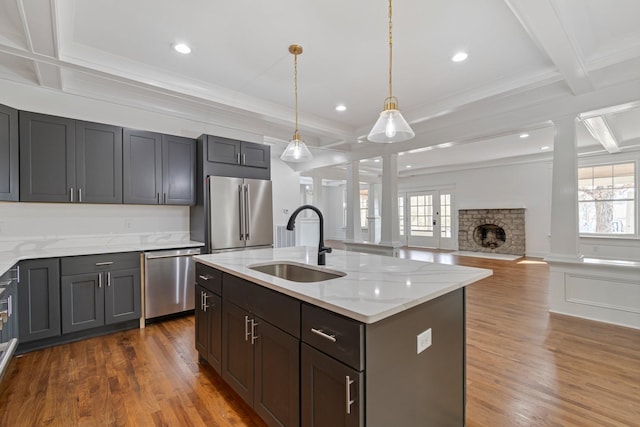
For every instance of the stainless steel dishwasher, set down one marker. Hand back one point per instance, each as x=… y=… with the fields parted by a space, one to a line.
x=169 y=279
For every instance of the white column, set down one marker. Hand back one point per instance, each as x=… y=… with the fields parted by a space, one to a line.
x=318 y=194
x=373 y=216
x=565 y=243
x=354 y=227
x=389 y=230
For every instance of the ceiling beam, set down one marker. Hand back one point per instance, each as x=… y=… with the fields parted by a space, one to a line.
x=600 y=128
x=543 y=24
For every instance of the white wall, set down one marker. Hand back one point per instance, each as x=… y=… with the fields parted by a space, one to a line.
x=526 y=185
x=286 y=191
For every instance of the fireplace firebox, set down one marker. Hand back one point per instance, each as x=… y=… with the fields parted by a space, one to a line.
x=492 y=230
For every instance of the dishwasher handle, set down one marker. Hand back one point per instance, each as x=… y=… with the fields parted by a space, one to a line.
x=189 y=252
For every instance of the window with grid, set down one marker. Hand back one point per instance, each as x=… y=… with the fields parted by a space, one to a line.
x=445 y=215
x=421 y=208
x=607 y=199
x=364 y=208
x=401 y=214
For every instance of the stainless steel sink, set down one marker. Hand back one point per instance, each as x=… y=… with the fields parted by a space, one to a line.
x=297 y=272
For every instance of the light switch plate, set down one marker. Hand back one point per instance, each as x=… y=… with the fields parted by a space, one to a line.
x=424 y=340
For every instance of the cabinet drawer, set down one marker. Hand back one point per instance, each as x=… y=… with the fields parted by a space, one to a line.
x=278 y=309
x=336 y=335
x=97 y=263
x=209 y=278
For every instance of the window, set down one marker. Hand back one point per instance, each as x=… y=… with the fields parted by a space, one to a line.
x=606 y=199
x=421 y=207
x=445 y=215
x=401 y=214
x=364 y=208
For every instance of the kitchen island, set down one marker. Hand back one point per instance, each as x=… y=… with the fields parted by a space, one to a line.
x=384 y=344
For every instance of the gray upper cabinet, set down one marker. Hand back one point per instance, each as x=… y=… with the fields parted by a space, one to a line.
x=178 y=170
x=9 y=187
x=47 y=158
x=64 y=160
x=158 y=169
x=142 y=166
x=234 y=158
x=98 y=163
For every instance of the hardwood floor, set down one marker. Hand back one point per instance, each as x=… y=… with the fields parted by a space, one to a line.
x=525 y=367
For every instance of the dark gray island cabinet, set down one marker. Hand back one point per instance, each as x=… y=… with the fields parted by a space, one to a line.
x=298 y=364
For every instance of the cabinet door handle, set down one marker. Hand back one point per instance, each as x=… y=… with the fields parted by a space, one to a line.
x=98 y=264
x=347 y=383
x=165 y=198
x=323 y=334
x=205 y=277
x=71 y=194
x=157 y=198
x=254 y=337
x=100 y=280
x=205 y=297
x=244 y=159
x=108 y=278
x=80 y=195
x=238 y=158
x=246 y=328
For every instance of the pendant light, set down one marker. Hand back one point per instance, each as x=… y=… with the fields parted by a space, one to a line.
x=296 y=151
x=391 y=126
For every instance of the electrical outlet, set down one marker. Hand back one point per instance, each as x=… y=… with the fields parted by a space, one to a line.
x=128 y=224
x=424 y=340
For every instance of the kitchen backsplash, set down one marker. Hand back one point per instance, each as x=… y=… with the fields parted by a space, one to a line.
x=35 y=221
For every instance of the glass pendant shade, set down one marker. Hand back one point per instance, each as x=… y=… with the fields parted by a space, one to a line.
x=390 y=127
x=296 y=151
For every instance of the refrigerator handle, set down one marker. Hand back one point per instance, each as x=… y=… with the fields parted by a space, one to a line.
x=241 y=210
x=247 y=214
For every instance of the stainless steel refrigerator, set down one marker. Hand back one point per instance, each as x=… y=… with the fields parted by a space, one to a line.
x=240 y=213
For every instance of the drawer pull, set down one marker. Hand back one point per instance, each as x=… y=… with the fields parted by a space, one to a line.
x=347 y=383
x=207 y=277
x=98 y=264
x=323 y=334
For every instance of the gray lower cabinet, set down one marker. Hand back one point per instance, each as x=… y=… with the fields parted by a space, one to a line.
x=64 y=160
x=158 y=169
x=208 y=313
x=331 y=391
x=39 y=299
x=9 y=143
x=261 y=360
x=99 y=290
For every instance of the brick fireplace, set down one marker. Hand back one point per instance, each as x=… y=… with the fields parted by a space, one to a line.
x=499 y=231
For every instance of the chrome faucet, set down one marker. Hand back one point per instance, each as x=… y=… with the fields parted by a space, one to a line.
x=322 y=249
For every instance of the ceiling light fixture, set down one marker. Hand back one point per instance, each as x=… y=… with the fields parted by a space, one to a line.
x=459 y=57
x=182 y=48
x=390 y=126
x=296 y=151
x=524 y=135
x=341 y=107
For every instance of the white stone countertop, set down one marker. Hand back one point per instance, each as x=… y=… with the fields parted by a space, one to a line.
x=375 y=287
x=12 y=252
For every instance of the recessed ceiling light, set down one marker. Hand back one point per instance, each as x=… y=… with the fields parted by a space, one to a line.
x=341 y=107
x=182 y=48
x=377 y=160
x=545 y=147
x=524 y=135
x=459 y=57
x=408 y=166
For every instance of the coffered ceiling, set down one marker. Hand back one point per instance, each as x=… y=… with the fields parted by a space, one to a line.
x=529 y=62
